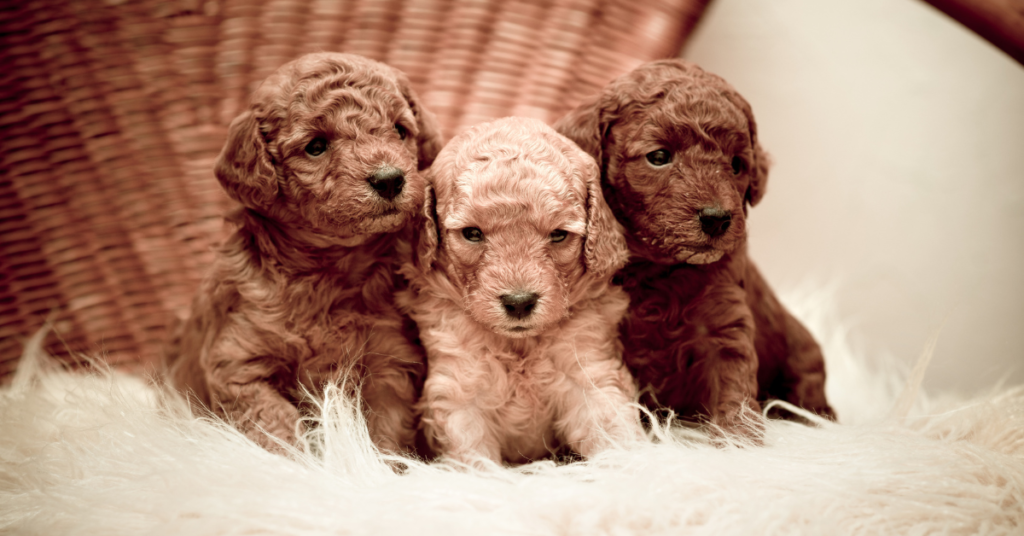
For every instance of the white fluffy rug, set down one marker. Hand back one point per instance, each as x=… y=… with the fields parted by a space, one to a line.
x=110 y=454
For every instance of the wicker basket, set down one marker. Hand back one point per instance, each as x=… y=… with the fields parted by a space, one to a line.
x=113 y=112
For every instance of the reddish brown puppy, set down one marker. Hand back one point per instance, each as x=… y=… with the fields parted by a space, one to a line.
x=681 y=162
x=326 y=166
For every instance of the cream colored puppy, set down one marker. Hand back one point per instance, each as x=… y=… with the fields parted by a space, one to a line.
x=511 y=291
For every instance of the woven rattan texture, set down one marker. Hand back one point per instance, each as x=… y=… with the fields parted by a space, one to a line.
x=112 y=113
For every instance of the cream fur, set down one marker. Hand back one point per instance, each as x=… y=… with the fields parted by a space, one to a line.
x=513 y=389
x=110 y=454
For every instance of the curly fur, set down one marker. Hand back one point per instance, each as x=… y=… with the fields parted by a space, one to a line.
x=704 y=332
x=302 y=292
x=515 y=389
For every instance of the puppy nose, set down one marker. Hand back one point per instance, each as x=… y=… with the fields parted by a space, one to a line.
x=520 y=304
x=715 y=221
x=387 y=181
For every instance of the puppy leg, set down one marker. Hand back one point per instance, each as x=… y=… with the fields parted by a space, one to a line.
x=804 y=370
x=594 y=407
x=389 y=400
x=454 y=424
x=241 y=391
x=720 y=357
x=791 y=365
x=393 y=371
x=257 y=409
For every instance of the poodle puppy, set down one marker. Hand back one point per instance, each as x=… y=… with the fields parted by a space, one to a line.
x=325 y=163
x=680 y=163
x=511 y=292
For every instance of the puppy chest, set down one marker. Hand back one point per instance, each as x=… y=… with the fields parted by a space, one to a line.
x=346 y=336
x=523 y=401
x=327 y=309
x=331 y=331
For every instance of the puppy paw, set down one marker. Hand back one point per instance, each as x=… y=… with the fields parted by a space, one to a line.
x=827 y=412
x=274 y=425
x=471 y=461
x=744 y=427
x=279 y=441
x=779 y=411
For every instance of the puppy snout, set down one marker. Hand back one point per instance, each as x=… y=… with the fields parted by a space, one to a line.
x=387 y=182
x=520 y=304
x=715 y=221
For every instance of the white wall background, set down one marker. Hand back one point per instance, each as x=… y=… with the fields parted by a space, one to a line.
x=898 y=141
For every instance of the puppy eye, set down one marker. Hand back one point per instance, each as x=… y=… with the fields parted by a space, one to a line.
x=558 y=235
x=659 y=158
x=738 y=165
x=316 y=147
x=473 y=234
x=402 y=133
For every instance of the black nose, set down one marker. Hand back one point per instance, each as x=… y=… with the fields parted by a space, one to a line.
x=715 y=221
x=387 y=181
x=520 y=304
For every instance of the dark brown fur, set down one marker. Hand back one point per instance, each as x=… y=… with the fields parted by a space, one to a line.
x=302 y=292
x=704 y=332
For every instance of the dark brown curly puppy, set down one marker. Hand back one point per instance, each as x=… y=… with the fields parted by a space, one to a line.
x=680 y=160
x=326 y=165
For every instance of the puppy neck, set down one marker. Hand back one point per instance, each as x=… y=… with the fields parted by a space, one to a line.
x=507 y=348
x=641 y=252
x=302 y=249
x=641 y=273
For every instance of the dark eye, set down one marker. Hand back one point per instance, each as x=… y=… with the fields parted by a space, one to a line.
x=738 y=165
x=473 y=234
x=558 y=235
x=316 y=147
x=402 y=133
x=659 y=158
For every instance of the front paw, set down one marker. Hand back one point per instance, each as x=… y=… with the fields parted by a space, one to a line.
x=278 y=443
x=623 y=430
x=460 y=437
x=743 y=425
x=779 y=411
x=474 y=461
x=275 y=428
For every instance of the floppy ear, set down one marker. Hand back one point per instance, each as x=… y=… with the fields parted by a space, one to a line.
x=244 y=167
x=429 y=140
x=426 y=236
x=758 y=169
x=584 y=126
x=604 y=250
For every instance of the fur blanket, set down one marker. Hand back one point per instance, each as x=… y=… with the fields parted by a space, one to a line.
x=112 y=454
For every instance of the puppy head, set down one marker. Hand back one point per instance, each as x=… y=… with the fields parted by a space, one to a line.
x=333 y=144
x=680 y=159
x=520 y=225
